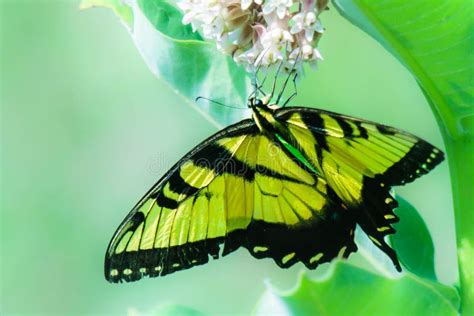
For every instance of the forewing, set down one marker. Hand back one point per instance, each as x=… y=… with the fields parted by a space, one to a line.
x=175 y=225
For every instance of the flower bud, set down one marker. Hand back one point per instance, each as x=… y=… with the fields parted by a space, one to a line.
x=235 y=17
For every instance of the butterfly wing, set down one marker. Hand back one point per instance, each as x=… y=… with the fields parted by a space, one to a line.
x=361 y=160
x=238 y=188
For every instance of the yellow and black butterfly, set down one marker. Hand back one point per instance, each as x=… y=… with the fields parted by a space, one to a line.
x=290 y=184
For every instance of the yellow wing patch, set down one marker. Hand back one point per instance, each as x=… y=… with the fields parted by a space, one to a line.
x=346 y=156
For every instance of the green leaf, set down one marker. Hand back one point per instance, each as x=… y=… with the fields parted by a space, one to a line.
x=191 y=66
x=121 y=10
x=174 y=310
x=433 y=39
x=167 y=19
x=413 y=241
x=353 y=291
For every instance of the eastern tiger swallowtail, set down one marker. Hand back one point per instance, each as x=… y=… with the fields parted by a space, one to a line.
x=290 y=184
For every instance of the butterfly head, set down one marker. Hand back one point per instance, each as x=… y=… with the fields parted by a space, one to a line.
x=260 y=104
x=263 y=112
x=254 y=104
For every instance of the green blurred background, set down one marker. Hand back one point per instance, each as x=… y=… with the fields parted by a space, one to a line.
x=87 y=129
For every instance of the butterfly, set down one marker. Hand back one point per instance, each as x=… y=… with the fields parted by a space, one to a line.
x=289 y=184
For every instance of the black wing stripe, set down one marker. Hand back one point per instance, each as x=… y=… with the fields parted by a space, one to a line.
x=164 y=201
x=362 y=130
x=317 y=127
x=180 y=186
x=345 y=127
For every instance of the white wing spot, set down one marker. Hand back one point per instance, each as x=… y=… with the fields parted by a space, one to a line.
x=158 y=268
x=316 y=258
x=127 y=271
x=433 y=155
x=259 y=249
x=142 y=270
x=383 y=228
x=388 y=200
x=341 y=252
x=175 y=265
x=375 y=240
x=114 y=272
x=288 y=257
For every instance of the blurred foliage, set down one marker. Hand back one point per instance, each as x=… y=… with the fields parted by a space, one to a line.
x=122 y=10
x=413 y=241
x=174 y=310
x=349 y=290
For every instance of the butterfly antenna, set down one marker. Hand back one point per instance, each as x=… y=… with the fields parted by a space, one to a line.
x=294 y=93
x=220 y=103
x=264 y=79
x=276 y=77
x=254 y=84
x=258 y=87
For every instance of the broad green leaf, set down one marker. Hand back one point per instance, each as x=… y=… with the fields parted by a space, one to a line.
x=433 y=39
x=466 y=258
x=353 y=291
x=413 y=242
x=121 y=10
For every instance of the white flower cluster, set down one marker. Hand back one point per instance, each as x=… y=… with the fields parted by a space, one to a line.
x=260 y=32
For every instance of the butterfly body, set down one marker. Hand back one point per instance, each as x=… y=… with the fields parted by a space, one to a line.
x=291 y=185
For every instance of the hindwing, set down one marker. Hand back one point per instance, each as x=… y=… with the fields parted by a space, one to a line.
x=360 y=160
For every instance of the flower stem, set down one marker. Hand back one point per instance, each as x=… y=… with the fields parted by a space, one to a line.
x=461 y=163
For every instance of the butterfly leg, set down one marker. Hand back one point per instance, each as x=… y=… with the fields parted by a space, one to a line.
x=294 y=93
x=255 y=83
x=276 y=77
x=288 y=78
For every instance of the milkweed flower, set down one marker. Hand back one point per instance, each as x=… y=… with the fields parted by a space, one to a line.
x=260 y=33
